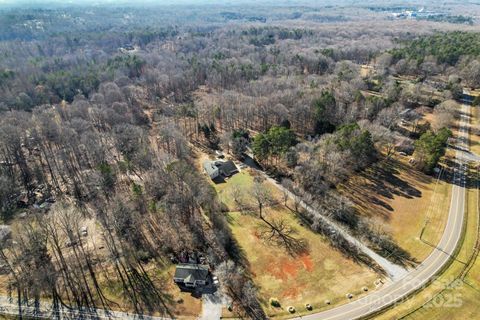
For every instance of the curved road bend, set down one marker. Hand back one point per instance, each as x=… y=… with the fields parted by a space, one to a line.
x=417 y=278
x=402 y=285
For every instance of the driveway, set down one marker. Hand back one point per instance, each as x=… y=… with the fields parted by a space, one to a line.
x=212 y=306
x=393 y=271
x=419 y=277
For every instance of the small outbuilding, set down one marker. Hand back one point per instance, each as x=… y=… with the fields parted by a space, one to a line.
x=405 y=145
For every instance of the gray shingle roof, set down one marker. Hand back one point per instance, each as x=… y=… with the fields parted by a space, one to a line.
x=191 y=272
x=5 y=232
x=227 y=167
x=210 y=167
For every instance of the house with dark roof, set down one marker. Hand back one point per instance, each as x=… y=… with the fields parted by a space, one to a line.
x=191 y=275
x=226 y=168
x=219 y=167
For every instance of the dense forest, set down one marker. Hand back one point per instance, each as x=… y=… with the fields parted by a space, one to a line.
x=102 y=119
x=447 y=48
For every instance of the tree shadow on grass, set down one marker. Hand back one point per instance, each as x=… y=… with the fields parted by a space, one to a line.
x=380 y=182
x=279 y=233
x=150 y=298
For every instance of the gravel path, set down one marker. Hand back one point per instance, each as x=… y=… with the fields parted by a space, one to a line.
x=394 y=271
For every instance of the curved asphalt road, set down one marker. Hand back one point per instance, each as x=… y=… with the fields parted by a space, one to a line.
x=417 y=278
x=389 y=294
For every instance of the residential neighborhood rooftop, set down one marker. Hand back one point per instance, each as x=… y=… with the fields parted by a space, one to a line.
x=197 y=271
x=216 y=168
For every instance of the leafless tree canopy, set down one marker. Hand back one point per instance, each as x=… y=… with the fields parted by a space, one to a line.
x=104 y=111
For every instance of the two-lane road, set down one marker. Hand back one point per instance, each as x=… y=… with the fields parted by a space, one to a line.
x=419 y=277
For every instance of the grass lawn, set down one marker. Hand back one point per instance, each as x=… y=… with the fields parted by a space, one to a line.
x=475 y=131
x=400 y=199
x=3 y=284
x=184 y=305
x=461 y=299
x=244 y=182
x=404 y=202
x=319 y=274
x=181 y=305
x=313 y=277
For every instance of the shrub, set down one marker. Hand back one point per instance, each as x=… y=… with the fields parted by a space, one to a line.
x=275 y=303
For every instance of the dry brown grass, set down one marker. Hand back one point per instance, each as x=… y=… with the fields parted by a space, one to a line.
x=160 y=274
x=180 y=304
x=448 y=298
x=314 y=276
x=402 y=201
x=459 y=301
x=475 y=131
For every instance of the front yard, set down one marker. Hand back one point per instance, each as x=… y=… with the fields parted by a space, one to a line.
x=313 y=276
x=180 y=305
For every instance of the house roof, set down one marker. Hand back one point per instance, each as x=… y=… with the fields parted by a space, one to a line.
x=210 y=167
x=191 y=272
x=5 y=232
x=227 y=167
x=405 y=111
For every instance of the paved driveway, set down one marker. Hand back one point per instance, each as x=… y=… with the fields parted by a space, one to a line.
x=212 y=306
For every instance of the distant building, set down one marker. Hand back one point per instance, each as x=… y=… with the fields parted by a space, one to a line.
x=217 y=168
x=405 y=145
x=191 y=275
x=404 y=113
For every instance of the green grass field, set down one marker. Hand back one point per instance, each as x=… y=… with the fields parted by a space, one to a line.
x=244 y=182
